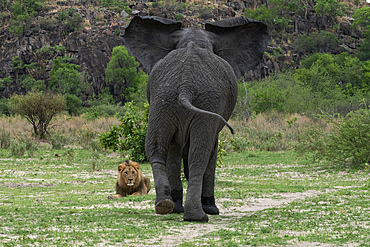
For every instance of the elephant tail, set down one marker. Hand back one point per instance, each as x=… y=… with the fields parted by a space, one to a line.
x=184 y=101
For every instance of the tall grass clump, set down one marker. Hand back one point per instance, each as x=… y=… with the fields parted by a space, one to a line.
x=5 y=138
x=22 y=145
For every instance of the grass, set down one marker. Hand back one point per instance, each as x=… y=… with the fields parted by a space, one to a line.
x=265 y=199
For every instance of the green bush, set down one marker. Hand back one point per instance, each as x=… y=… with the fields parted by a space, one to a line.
x=205 y=13
x=104 y=110
x=349 y=142
x=129 y=136
x=31 y=84
x=73 y=104
x=73 y=23
x=65 y=78
x=179 y=17
x=271 y=13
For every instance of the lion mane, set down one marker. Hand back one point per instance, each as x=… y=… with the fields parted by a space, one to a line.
x=130 y=181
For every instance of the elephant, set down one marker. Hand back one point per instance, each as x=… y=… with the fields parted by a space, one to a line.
x=192 y=92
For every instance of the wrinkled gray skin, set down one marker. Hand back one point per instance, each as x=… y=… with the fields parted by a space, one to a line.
x=192 y=91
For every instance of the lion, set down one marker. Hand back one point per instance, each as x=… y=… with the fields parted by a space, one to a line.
x=130 y=181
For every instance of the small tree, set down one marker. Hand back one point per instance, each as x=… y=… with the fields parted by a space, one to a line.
x=122 y=72
x=38 y=108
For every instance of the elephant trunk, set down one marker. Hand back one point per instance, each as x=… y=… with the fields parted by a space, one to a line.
x=184 y=101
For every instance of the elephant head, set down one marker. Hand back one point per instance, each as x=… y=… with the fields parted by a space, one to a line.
x=192 y=91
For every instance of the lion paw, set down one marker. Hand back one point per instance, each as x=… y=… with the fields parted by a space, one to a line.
x=110 y=197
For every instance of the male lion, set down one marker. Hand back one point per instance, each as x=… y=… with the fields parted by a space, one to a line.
x=130 y=181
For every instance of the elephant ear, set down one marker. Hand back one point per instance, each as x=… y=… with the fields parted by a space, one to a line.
x=150 y=38
x=240 y=41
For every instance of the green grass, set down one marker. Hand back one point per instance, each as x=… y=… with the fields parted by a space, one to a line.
x=265 y=199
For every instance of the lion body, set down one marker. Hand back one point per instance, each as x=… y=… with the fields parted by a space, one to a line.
x=130 y=181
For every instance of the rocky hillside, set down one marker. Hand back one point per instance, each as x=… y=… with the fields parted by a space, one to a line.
x=89 y=29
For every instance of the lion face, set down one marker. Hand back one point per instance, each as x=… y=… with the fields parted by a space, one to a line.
x=129 y=172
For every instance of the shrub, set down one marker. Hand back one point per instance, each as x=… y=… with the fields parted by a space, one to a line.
x=281 y=92
x=73 y=104
x=73 y=23
x=38 y=108
x=349 y=142
x=129 y=136
x=317 y=42
x=346 y=142
x=179 y=17
x=104 y=110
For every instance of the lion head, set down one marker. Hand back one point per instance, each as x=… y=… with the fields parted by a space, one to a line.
x=129 y=173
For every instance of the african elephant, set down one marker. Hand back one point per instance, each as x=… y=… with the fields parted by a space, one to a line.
x=192 y=91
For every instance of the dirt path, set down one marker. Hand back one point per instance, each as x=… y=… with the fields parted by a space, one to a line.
x=198 y=230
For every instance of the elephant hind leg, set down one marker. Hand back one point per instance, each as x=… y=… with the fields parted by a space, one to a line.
x=159 y=135
x=164 y=207
x=202 y=139
x=173 y=165
x=208 y=189
x=163 y=201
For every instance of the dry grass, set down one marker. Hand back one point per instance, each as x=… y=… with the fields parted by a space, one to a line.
x=268 y=131
x=72 y=128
